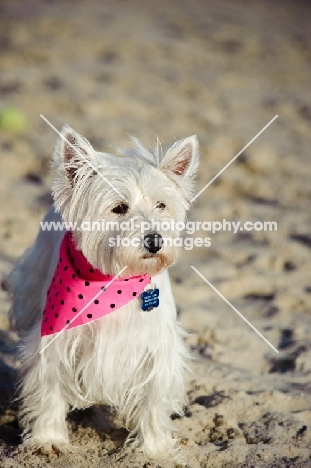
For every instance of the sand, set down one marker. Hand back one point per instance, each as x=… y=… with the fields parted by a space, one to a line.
x=221 y=70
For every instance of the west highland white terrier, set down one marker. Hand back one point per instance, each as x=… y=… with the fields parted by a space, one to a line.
x=93 y=331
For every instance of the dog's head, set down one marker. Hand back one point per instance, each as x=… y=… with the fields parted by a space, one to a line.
x=124 y=210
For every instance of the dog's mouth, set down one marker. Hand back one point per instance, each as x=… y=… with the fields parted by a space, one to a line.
x=150 y=264
x=149 y=255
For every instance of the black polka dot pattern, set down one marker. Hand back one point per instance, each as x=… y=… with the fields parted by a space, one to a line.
x=73 y=288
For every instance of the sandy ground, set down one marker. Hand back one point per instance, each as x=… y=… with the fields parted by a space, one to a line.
x=222 y=70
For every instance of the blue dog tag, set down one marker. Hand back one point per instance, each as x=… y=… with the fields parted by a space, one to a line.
x=149 y=299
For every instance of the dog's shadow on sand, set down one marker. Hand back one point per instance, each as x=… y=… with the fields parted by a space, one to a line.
x=10 y=432
x=98 y=418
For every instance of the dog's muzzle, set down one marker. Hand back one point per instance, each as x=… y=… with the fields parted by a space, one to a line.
x=153 y=242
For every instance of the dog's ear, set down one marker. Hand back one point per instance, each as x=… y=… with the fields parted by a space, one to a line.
x=72 y=152
x=74 y=162
x=181 y=162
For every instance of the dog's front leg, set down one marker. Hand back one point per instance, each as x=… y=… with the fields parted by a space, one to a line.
x=49 y=429
x=152 y=425
x=43 y=406
x=153 y=434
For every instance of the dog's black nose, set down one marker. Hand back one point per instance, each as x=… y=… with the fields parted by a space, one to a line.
x=153 y=242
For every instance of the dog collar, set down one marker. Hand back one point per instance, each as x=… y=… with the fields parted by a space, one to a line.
x=79 y=294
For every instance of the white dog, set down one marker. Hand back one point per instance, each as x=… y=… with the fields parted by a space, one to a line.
x=83 y=341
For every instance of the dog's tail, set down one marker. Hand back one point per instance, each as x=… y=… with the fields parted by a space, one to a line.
x=26 y=282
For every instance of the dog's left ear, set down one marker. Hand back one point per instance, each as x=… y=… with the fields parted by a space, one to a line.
x=181 y=162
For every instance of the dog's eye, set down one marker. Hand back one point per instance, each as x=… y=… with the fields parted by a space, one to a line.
x=160 y=205
x=122 y=208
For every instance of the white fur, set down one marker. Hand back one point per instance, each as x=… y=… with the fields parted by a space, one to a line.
x=129 y=359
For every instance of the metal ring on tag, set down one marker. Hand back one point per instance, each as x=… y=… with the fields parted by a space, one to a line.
x=151 y=285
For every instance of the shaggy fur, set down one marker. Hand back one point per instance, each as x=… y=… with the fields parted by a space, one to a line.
x=131 y=360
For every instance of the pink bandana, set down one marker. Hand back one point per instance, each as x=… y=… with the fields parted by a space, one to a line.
x=76 y=283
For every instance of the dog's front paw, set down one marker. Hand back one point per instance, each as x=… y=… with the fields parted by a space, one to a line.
x=48 y=447
x=166 y=453
x=166 y=449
